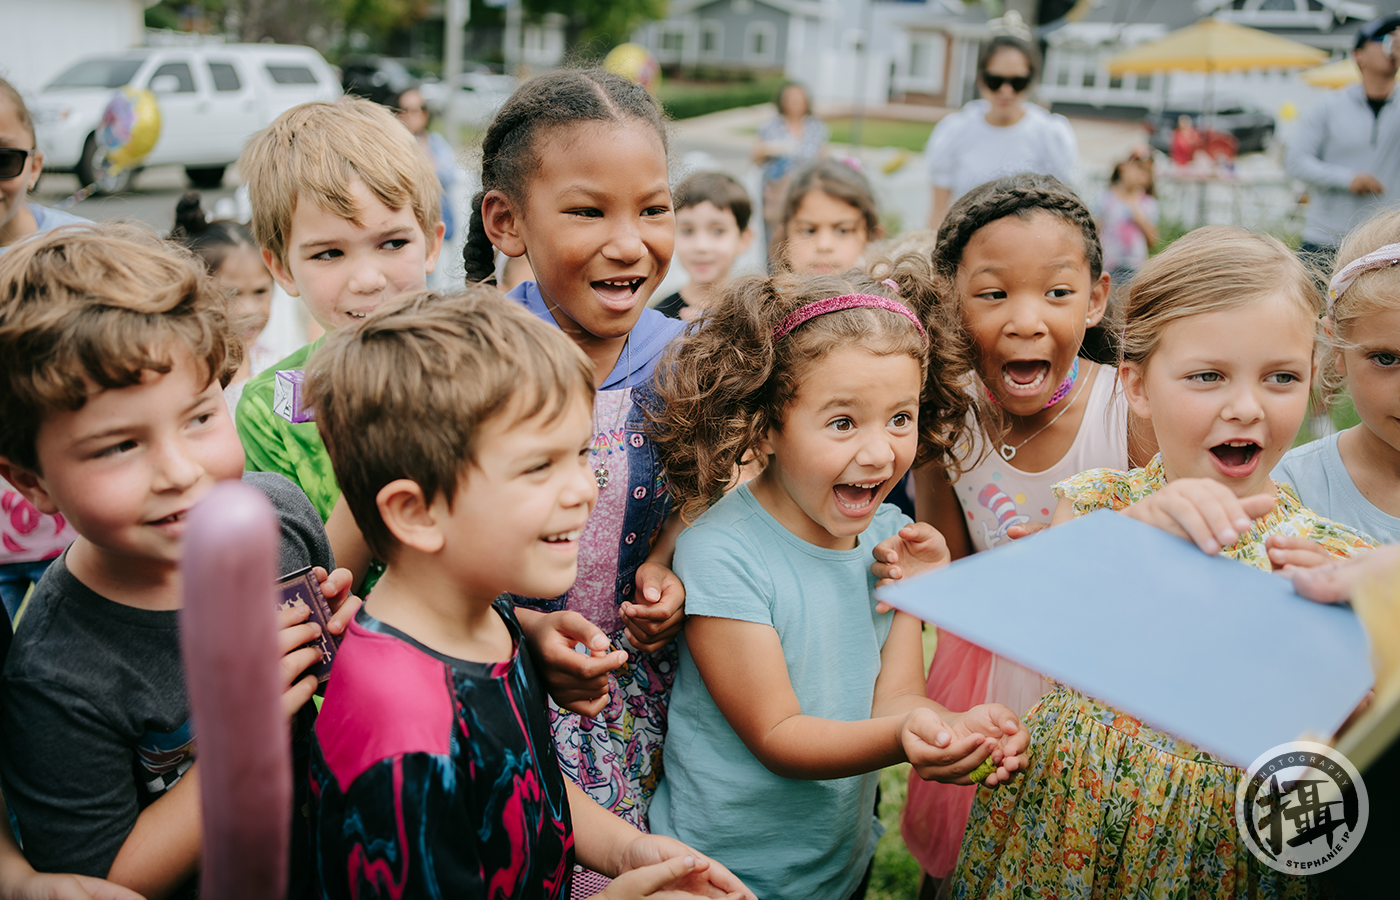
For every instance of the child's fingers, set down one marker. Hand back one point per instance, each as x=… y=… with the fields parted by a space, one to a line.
x=647 y=880
x=1016 y=532
x=292 y=615
x=334 y=585
x=885 y=573
x=102 y=889
x=1291 y=550
x=299 y=694
x=344 y=614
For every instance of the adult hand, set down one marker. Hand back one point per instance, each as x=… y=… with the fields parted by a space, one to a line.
x=1366 y=183
x=1334 y=583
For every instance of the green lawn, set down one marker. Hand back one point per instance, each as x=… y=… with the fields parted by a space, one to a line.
x=883 y=133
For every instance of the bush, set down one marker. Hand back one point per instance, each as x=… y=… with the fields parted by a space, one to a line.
x=687 y=99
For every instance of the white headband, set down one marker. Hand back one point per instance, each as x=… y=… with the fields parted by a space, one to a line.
x=1388 y=255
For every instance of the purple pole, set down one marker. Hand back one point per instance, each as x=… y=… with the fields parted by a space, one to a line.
x=228 y=636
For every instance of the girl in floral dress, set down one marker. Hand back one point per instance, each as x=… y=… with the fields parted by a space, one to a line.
x=1218 y=355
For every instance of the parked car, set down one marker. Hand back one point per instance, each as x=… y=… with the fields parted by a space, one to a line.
x=212 y=98
x=1249 y=125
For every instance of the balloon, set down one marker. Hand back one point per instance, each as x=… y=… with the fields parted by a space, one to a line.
x=228 y=638
x=635 y=62
x=130 y=127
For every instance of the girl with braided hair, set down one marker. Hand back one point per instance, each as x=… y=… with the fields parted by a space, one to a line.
x=794 y=687
x=1021 y=255
x=574 y=178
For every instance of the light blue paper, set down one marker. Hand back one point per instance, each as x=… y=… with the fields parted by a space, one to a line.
x=1209 y=649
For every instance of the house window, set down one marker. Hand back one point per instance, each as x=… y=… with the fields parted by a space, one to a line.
x=1144 y=82
x=1062 y=71
x=711 y=39
x=760 y=43
x=672 y=43
x=920 y=60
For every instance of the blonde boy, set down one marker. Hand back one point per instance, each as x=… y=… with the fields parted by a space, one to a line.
x=432 y=756
x=113 y=354
x=346 y=211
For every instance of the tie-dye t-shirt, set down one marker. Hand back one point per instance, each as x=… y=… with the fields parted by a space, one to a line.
x=436 y=777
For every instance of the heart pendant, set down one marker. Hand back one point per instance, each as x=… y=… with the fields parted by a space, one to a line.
x=1007 y=452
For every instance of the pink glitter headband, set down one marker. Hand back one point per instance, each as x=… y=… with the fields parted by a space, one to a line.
x=836 y=304
x=1388 y=255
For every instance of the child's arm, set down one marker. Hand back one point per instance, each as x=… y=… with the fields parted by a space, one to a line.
x=577 y=681
x=19 y=881
x=657 y=614
x=1203 y=511
x=743 y=668
x=607 y=844
x=937 y=504
x=917 y=548
x=162 y=850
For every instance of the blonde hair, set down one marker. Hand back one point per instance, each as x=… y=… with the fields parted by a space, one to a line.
x=315 y=151
x=1210 y=270
x=728 y=382
x=89 y=308
x=406 y=393
x=1372 y=292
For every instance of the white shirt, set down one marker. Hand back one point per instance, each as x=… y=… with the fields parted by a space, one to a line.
x=965 y=150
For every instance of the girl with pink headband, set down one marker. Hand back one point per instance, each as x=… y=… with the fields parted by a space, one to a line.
x=1354 y=477
x=793 y=688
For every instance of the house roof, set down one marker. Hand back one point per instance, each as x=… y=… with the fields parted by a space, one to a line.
x=811 y=9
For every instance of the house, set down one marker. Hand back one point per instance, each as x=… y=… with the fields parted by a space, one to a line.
x=47 y=37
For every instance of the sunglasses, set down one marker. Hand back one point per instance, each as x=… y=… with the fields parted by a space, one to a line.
x=12 y=161
x=994 y=82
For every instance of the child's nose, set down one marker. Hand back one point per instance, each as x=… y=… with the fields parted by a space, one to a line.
x=368 y=278
x=1243 y=405
x=175 y=468
x=625 y=243
x=876 y=452
x=1026 y=318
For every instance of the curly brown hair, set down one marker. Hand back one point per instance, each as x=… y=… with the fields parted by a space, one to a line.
x=723 y=386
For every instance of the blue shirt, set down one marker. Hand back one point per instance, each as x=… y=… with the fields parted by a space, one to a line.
x=1323 y=484
x=49 y=219
x=784 y=837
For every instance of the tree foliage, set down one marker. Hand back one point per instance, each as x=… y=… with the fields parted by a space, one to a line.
x=602 y=22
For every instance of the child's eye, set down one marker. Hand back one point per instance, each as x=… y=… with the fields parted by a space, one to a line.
x=1385 y=360
x=994 y=294
x=587 y=213
x=842 y=424
x=1283 y=378
x=902 y=420
x=1206 y=377
x=116 y=449
x=328 y=254
x=395 y=244
x=656 y=210
x=1060 y=293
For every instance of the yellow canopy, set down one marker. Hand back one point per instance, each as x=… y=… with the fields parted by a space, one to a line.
x=1211 y=45
x=1337 y=74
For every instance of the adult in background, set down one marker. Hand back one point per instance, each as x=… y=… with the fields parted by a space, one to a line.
x=1347 y=148
x=414 y=114
x=1003 y=133
x=786 y=143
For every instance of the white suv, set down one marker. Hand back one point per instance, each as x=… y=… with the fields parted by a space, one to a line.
x=212 y=98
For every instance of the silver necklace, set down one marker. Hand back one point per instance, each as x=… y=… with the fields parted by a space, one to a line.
x=1008 y=452
x=600 y=468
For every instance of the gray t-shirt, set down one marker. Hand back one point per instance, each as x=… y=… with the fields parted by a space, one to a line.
x=1323 y=484
x=93 y=712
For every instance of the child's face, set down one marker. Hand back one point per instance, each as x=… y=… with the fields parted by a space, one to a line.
x=825 y=235
x=708 y=240
x=847 y=437
x=597 y=225
x=519 y=512
x=1227 y=391
x=343 y=271
x=127 y=466
x=1027 y=296
x=248 y=285
x=1371 y=365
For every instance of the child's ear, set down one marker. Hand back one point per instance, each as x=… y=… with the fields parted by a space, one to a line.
x=502 y=225
x=1130 y=375
x=745 y=239
x=30 y=485
x=410 y=518
x=1098 y=299
x=434 y=247
x=280 y=274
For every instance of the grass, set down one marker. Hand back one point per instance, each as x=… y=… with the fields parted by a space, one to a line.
x=882 y=133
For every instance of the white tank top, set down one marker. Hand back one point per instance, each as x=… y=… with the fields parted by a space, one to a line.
x=996 y=495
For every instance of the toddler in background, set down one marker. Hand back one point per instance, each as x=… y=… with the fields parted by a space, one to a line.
x=712 y=231
x=1354 y=477
x=829 y=217
x=231 y=256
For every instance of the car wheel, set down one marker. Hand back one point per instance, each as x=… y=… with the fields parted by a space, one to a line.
x=87 y=171
x=205 y=176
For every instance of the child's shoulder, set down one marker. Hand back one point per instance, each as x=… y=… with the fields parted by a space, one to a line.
x=1110 y=488
x=386 y=698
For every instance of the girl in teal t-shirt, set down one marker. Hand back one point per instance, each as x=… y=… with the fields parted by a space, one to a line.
x=793 y=688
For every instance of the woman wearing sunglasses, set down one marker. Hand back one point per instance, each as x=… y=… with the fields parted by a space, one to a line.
x=1003 y=133
x=20 y=165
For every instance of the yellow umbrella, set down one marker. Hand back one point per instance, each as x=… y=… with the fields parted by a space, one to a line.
x=1211 y=45
x=1337 y=74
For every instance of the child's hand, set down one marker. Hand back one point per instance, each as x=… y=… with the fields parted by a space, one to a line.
x=47 y=886
x=1334 y=582
x=664 y=868
x=1016 y=532
x=335 y=587
x=659 y=616
x=1204 y=512
x=577 y=681
x=916 y=549
x=293 y=630
x=1289 y=552
x=948 y=748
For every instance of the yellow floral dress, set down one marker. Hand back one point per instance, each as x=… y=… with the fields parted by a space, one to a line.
x=1110 y=807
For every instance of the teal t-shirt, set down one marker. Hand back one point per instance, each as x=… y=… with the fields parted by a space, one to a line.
x=784 y=837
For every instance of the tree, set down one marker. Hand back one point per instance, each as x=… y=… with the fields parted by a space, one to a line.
x=605 y=23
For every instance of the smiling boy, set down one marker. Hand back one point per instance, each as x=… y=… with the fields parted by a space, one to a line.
x=712 y=231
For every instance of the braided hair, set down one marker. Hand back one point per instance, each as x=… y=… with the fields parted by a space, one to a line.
x=211 y=241
x=552 y=100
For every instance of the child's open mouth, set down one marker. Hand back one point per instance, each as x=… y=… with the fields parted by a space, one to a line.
x=1236 y=458
x=857 y=499
x=564 y=537
x=1025 y=377
x=618 y=293
x=168 y=520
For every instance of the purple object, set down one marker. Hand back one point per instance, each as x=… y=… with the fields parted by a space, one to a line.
x=228 y=637
x=302 y=587
x=287 y=389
